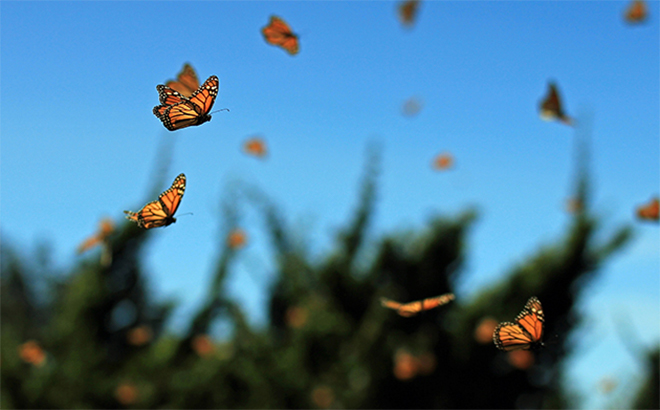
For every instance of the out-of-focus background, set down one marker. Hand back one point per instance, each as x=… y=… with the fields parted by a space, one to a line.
x=345 y=207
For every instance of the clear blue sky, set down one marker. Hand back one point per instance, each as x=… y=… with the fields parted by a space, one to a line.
x=79 y=140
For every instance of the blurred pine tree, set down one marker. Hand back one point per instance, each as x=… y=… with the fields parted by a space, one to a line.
x=99 y=341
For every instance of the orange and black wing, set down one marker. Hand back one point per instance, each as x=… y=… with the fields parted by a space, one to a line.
x=161 y=211
x=186 y=83
x=413 y=308
x=650 y=211
x=408 y=12
x=278 y=33
x=169 y=96
x=526 y=333
x=551 y=106
x=255 y=146
x=188 y=112
x=637 y=12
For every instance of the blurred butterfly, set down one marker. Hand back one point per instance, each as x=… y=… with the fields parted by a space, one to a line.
x=650 y=211
x=255 y=146
x=237 y=238
x=186 y=82
x=411 y=107
x=278 y=33
x=443 y=161
x=161 y=211
x=407 y=11
x=413 y=308
x=637 y=12
x=551 y=107
x=177 y=111
x=525 y=333
x=106 y=227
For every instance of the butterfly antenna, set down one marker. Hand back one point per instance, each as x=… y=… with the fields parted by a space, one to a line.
x=187 y=213
x=222 y=109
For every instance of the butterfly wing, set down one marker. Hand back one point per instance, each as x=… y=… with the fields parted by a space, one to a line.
x=186 y=82
x=636 y=12
x=255 y=146
x=408 y=11
x=551 y=106
x=526 y=333
x=511 y=336
x=278 y=33
x=161 y=211
x=169 y=96
x=434 y=302
x=650 y=211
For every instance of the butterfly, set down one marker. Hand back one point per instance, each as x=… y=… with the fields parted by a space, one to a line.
x=106 y=227
x=525 y=333
x=413 y=308
x=161 y=211
x=411 y=107
x=551 y=108
x=408 y=12
x=650 y=211
x=255 y=146
x=278 y=33
x=443 y=161
x=177 y=111
x=637 y=12
x=186 y=82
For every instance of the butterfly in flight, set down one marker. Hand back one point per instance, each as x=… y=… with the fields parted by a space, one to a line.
x=551 y=107
x=443 y=161
x=637 y=12
x=161 y=211
x=255 y=146
x=177 y=111
x=650 y=211
x=407 y=11
x=106 y=227
x=278 y=33
x=186 y=82
x=413 y=308
x=525 y=333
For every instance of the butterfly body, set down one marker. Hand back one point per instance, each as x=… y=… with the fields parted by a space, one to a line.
x=186 y=81
x=177 y=111
x=527 y=331
x=161 y=211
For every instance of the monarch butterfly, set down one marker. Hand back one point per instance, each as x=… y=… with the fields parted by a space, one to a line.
x=236 y=238
x=278 y=33
x=106 y=227
x=177 y=111
x=413 y=308
x=186 y=82
x=255 y=146
x=408 y=12
x=650 y=211
x=526 y=333
x=443 y=161
x=161 y=211
x=551 y=107
x=411 y=107
x=637 y=12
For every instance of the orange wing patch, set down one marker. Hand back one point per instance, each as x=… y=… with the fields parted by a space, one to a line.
x=650 y=211
x=407 y=11
x=161 y=211
x=443 y=161
x=176 y=111
x=551 y=106
x=237 y=238
x=525 y=333
x=278 y=33
x=106 y=228
x=637 y=12
x=255 y=146
x=413 y=308
x=186 y=82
